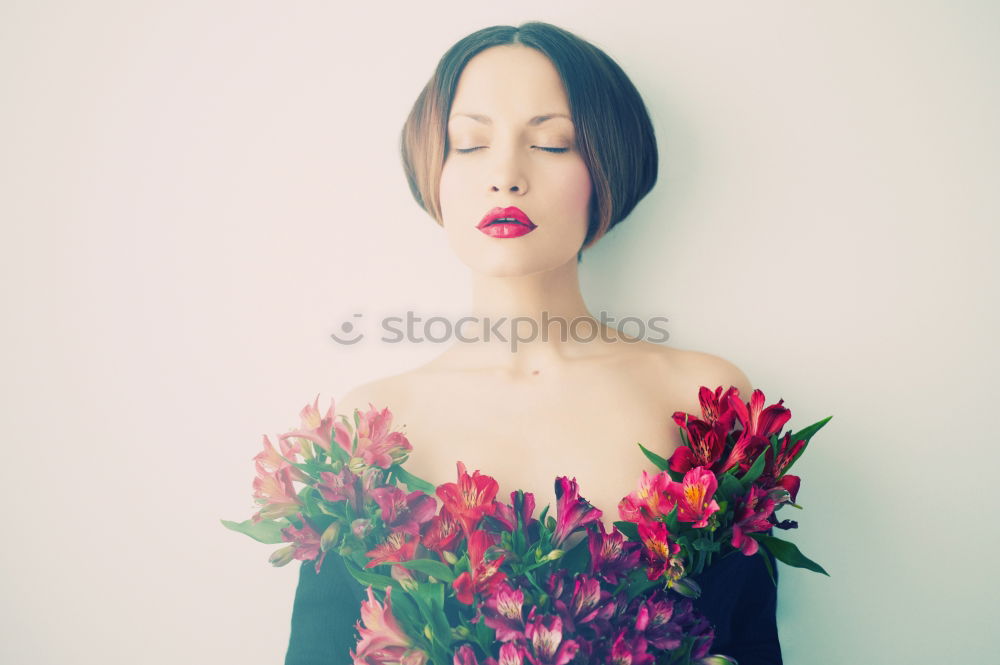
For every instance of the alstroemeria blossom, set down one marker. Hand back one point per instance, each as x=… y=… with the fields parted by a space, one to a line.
x=694 y=495
x=660 y=552
x=398 y=546
x=306 y=542
x=572 y=511
x=377 y=445
x=383 y=640
x=485 y=574
x=315 y=427
x=650 y=501
x=752 y=514
x=546 y=643
x=470 y=498
x=277 y=494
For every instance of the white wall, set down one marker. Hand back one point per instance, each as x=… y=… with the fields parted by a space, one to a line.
x=195 y=194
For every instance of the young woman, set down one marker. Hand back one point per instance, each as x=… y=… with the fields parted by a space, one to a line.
x=527 y=145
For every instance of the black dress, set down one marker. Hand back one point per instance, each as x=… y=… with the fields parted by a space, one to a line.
x=738 y=597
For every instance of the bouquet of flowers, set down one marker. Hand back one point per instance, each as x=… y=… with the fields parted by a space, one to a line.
x=480 y=580
x=720 y=490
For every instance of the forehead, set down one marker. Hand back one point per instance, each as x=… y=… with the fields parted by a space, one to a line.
x=511 y=83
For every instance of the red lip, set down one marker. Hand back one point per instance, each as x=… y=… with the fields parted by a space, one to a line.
x=517 y=223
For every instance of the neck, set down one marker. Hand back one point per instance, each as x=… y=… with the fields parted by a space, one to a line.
x=527 y=324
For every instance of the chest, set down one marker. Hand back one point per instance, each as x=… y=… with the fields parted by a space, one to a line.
x=526 y=435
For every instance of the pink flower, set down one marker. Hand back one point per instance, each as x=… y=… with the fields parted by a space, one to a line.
x=268 y=461
x=503 y=612
x=341 y=486
x=751 y=516
x=276 y=493
x=383 y=641
x=650 y=501
x=759 y=423
x=306 y=542
x=314 y=427
x=547 y=646
x=694 y=496
x=404 y=511
x=376 y=445
x=572 y=511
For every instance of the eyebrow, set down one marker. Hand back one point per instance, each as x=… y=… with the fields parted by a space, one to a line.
x=486 y=120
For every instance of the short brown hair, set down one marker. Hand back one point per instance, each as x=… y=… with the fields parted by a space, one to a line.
x=614 y=133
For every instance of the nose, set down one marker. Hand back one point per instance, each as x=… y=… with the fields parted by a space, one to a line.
x=508 y=173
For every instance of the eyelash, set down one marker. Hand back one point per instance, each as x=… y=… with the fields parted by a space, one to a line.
x=468 y=150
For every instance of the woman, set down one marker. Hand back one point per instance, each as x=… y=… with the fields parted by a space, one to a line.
x=527 y=146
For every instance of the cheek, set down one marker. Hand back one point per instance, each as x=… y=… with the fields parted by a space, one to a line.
x=576 y=188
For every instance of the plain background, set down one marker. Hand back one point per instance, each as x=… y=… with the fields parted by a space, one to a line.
x=194 y=195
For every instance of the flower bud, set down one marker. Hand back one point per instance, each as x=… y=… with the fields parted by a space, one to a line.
x=716 y=659
x=427 y=632
x=449 y=557
x=686 y=586
x=554 y=554
x=461 y=633
x=330 y=536
x=282 y=556
x=357 y=465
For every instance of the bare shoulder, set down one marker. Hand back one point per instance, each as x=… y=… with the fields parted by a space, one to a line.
x=687 y=370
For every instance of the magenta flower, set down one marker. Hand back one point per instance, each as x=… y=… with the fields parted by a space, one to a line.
x=441 y=532
x=512 y=654
x=752 y=514
x=398 y=546
x=503 y=612
x=660 y=553
x=610 y=554
x=341 y=486
x=572 y=511
x=404 y=511
x=694 y=495
x=630 y=650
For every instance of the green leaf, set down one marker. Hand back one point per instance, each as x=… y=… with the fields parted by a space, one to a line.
x=767 y=564
x=265 y=531
x=629 y=529
x=729 y=486
x=753 y=473
x=706 y=544
x=366 y=577
x=431 y=567
x=577 y=559
x=807 y=433
x=788 y=553
x=661 y=463
x=413 y=482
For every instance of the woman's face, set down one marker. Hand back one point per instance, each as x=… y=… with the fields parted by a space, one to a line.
x=517 y=158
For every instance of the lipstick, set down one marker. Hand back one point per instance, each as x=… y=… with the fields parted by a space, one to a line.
x=510 y=222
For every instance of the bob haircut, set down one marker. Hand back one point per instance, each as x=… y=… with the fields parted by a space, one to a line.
x=613 y=131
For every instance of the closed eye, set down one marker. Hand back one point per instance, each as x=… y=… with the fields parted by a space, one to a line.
x=466 y=150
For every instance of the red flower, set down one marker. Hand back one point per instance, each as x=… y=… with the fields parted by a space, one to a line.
x=660 y=553
x=398 y=546
x=441 y=532
x=485 y=575
x=470 y=498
